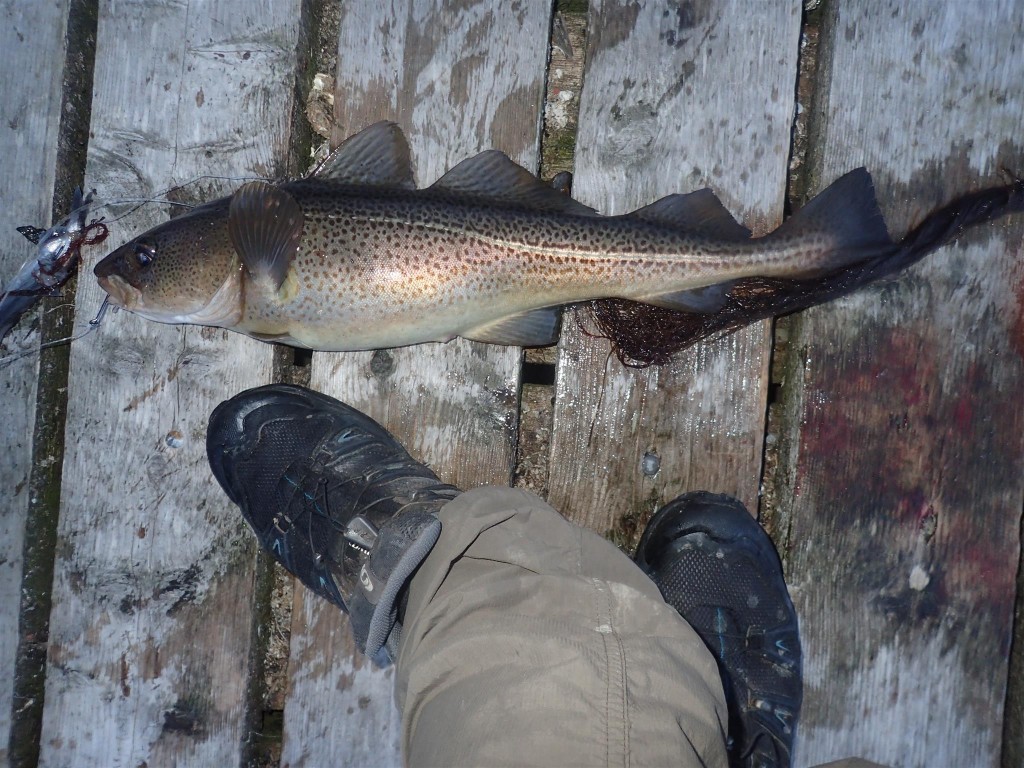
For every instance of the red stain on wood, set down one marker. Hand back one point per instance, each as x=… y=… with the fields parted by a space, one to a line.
x=963 y=413
x=901 y=454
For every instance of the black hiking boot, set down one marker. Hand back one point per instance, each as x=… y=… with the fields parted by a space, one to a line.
x=332 y=496
x=715 y=565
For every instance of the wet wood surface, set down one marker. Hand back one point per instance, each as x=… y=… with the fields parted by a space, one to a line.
x=32 y=39
x=896 y=479
x=902 y=478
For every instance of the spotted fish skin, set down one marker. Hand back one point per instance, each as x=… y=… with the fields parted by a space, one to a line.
x=437 y=266
x=354 y=257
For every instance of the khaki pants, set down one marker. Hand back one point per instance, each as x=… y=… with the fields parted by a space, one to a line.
x=531 y=641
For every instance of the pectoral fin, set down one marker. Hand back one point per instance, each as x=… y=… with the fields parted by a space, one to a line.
x=265 y=225
x=536 y=328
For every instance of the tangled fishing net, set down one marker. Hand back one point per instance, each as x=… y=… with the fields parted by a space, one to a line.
x=643 y=335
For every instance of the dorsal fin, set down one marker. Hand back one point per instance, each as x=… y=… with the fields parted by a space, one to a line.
x=265 y=226
x=699 y=212
x=847 y=213
x=491 y=175
x=846 y=209
x=377 y=155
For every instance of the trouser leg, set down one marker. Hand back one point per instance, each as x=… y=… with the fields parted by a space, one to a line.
x=531 y=641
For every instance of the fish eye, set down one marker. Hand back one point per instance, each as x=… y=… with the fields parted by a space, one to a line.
x=144 y=253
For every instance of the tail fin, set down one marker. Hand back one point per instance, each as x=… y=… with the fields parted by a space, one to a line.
x=644 y=335
x=847 y=217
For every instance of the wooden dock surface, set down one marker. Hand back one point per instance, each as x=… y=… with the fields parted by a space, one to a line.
x=879 y=438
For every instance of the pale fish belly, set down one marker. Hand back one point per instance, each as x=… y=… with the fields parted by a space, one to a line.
x=384 y=299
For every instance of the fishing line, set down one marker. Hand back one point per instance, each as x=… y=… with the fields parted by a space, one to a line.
x=93 y=325
x=98 y=230
x=161 y=197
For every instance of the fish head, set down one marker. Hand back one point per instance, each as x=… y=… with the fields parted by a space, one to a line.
x=183 y=271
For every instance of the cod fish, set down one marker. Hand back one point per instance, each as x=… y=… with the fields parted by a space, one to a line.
x=354 y=257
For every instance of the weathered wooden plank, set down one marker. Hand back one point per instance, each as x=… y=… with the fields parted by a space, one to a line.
x=347 y=704
x=32 y=39
x=669 y=105
x=459 y=77
x=902 y=452
x=152 y=620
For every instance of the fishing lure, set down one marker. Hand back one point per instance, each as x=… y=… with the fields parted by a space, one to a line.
x=58 y=253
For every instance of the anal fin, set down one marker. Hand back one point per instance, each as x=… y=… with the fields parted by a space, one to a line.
x=534 y=328
x=276 y=338
x=710 y=298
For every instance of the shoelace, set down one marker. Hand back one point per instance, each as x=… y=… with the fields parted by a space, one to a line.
x=312 y=507
x=317 y=490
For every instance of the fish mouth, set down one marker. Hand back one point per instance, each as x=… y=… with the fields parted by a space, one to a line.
x=121 y=293
x=224 y=309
